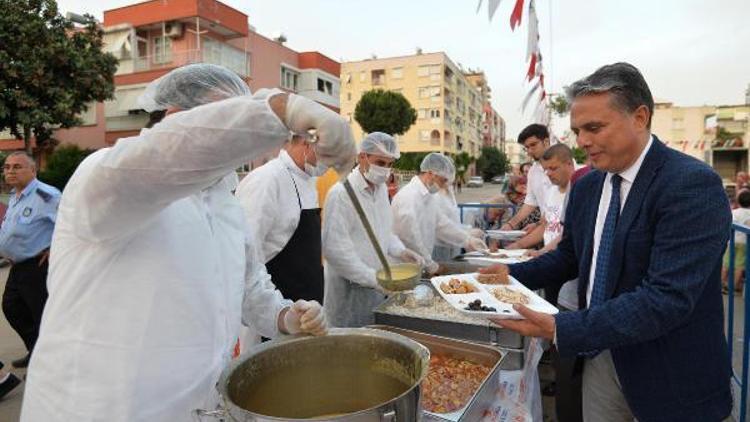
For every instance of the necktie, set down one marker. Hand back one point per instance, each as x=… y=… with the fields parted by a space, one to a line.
x=599 y=289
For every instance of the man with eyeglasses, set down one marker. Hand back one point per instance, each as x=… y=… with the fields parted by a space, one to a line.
x=25 y=237
x=535 y=140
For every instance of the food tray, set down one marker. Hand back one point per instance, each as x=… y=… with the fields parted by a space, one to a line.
x=486 y=261
x=441 y=319
x=500 y=253
x=505 y=234
x=485 y=394
x=484 y=293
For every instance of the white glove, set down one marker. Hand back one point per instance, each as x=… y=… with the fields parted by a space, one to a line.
x=409 y=255
x=335 y=146
x=478 y=233
x=474 y=244
x=306 y=317
x=432 y=267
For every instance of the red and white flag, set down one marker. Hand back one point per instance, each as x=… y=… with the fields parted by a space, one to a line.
x=491 y=7
x=515 y=17
x=532 y=44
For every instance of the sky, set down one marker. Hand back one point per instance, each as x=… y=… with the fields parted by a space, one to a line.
x=691 y=52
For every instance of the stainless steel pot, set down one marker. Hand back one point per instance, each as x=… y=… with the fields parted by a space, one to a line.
x=351 y=374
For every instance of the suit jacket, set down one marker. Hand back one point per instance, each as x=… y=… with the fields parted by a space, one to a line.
x=663 y=316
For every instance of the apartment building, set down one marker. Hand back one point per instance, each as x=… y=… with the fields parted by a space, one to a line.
x=493 y=125
x=450 y=110
x=151 y=38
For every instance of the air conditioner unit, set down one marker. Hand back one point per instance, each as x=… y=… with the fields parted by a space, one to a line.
x=173 y=29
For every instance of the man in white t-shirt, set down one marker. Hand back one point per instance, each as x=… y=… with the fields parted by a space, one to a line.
x=535 y=140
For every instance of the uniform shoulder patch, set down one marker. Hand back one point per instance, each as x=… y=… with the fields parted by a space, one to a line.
x=46 y=196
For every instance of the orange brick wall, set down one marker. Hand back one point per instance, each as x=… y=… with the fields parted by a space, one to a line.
x=316 y=60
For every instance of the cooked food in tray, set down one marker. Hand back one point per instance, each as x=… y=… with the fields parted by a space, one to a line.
x=457 y=286
x=476 y=305
x=493 y=278
x=514 y=297
x=450 y=383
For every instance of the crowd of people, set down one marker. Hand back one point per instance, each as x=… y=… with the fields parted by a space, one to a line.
x=131 y=289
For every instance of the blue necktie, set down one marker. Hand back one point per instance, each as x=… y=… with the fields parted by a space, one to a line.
x=599 y=289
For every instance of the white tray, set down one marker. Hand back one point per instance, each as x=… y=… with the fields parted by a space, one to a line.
x=484 y=293
x=507 y=253
x=485 y=261
x=505 y=234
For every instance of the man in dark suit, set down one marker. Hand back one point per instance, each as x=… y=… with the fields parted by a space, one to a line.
x=644 y=233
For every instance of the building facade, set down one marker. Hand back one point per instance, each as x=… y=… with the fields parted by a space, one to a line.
x=493 y=125
x=153 y=37
x=449 y=107
x=717 y=135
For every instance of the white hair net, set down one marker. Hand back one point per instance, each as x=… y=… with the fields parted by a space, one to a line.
x=379 y=143
x=439 y=164
x=190 y=86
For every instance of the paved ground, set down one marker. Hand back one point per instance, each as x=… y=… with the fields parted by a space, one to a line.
x=11 y=348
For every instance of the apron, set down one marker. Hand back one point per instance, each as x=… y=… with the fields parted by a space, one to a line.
x=297 y=271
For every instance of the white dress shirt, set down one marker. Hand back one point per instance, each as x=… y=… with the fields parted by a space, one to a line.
x=537 y=184
x=628 y=177
x=269 y=199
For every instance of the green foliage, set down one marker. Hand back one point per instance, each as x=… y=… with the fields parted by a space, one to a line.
x=384 y=111
x=61 y=165
x=723 y=134
x=49 y=70
x=579 y=154
x=559 y=105
x=492 y=162
x=409 y=161
x=462 y=160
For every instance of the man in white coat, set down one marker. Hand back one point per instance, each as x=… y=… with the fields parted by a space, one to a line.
x=417 y=219
x=351 y=288
x=149 y=274
x=281 y=202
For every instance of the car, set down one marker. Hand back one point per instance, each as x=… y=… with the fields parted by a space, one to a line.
x=475 y=182
x=499 y=180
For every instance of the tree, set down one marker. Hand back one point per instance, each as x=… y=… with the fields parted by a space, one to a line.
x=61 y=165
x=409 y=161
x=559 y=105
x=462 y=161
x=384 y=111
x=492 y=162
x=579 y=154
x=51 y=72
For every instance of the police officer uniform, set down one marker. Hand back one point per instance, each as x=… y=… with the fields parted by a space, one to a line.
x=25 y=235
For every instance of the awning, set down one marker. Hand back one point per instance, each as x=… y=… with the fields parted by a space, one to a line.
x=118 y=43
x=127 y=99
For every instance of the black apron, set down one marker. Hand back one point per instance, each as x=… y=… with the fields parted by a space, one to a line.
x=297 y=271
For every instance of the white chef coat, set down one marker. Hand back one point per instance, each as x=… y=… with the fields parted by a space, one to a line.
x=147 y=272
x=269 y=198
x=418 y=222
x=350 y=259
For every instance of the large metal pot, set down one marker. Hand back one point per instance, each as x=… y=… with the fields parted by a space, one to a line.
x=351 y=374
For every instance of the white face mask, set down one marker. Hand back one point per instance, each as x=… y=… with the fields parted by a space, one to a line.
x=315 y=170
x=376 y=174
x=433 y=188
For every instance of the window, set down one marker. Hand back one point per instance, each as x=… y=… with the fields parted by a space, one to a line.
x=423 y=70
x=435 y=113
x=378 y=77
x=424 y=135
x=397 y=73
x=362 y=76
x=348 y=96
x=678 y=123
x=428 y=69
x=289 y=78
x=162 y=50
x=422 y=113
x=325 y=86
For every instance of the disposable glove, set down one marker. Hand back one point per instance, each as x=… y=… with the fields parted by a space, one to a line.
x=306 y=317
x=335 y=146
x=474 y=244
x=478 y=233
x=409 y=255
x=432 y=267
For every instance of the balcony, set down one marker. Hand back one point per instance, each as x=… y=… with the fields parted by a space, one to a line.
x=229 y=57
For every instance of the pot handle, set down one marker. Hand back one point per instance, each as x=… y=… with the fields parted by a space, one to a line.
x=388 y=416
x=200 y=415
